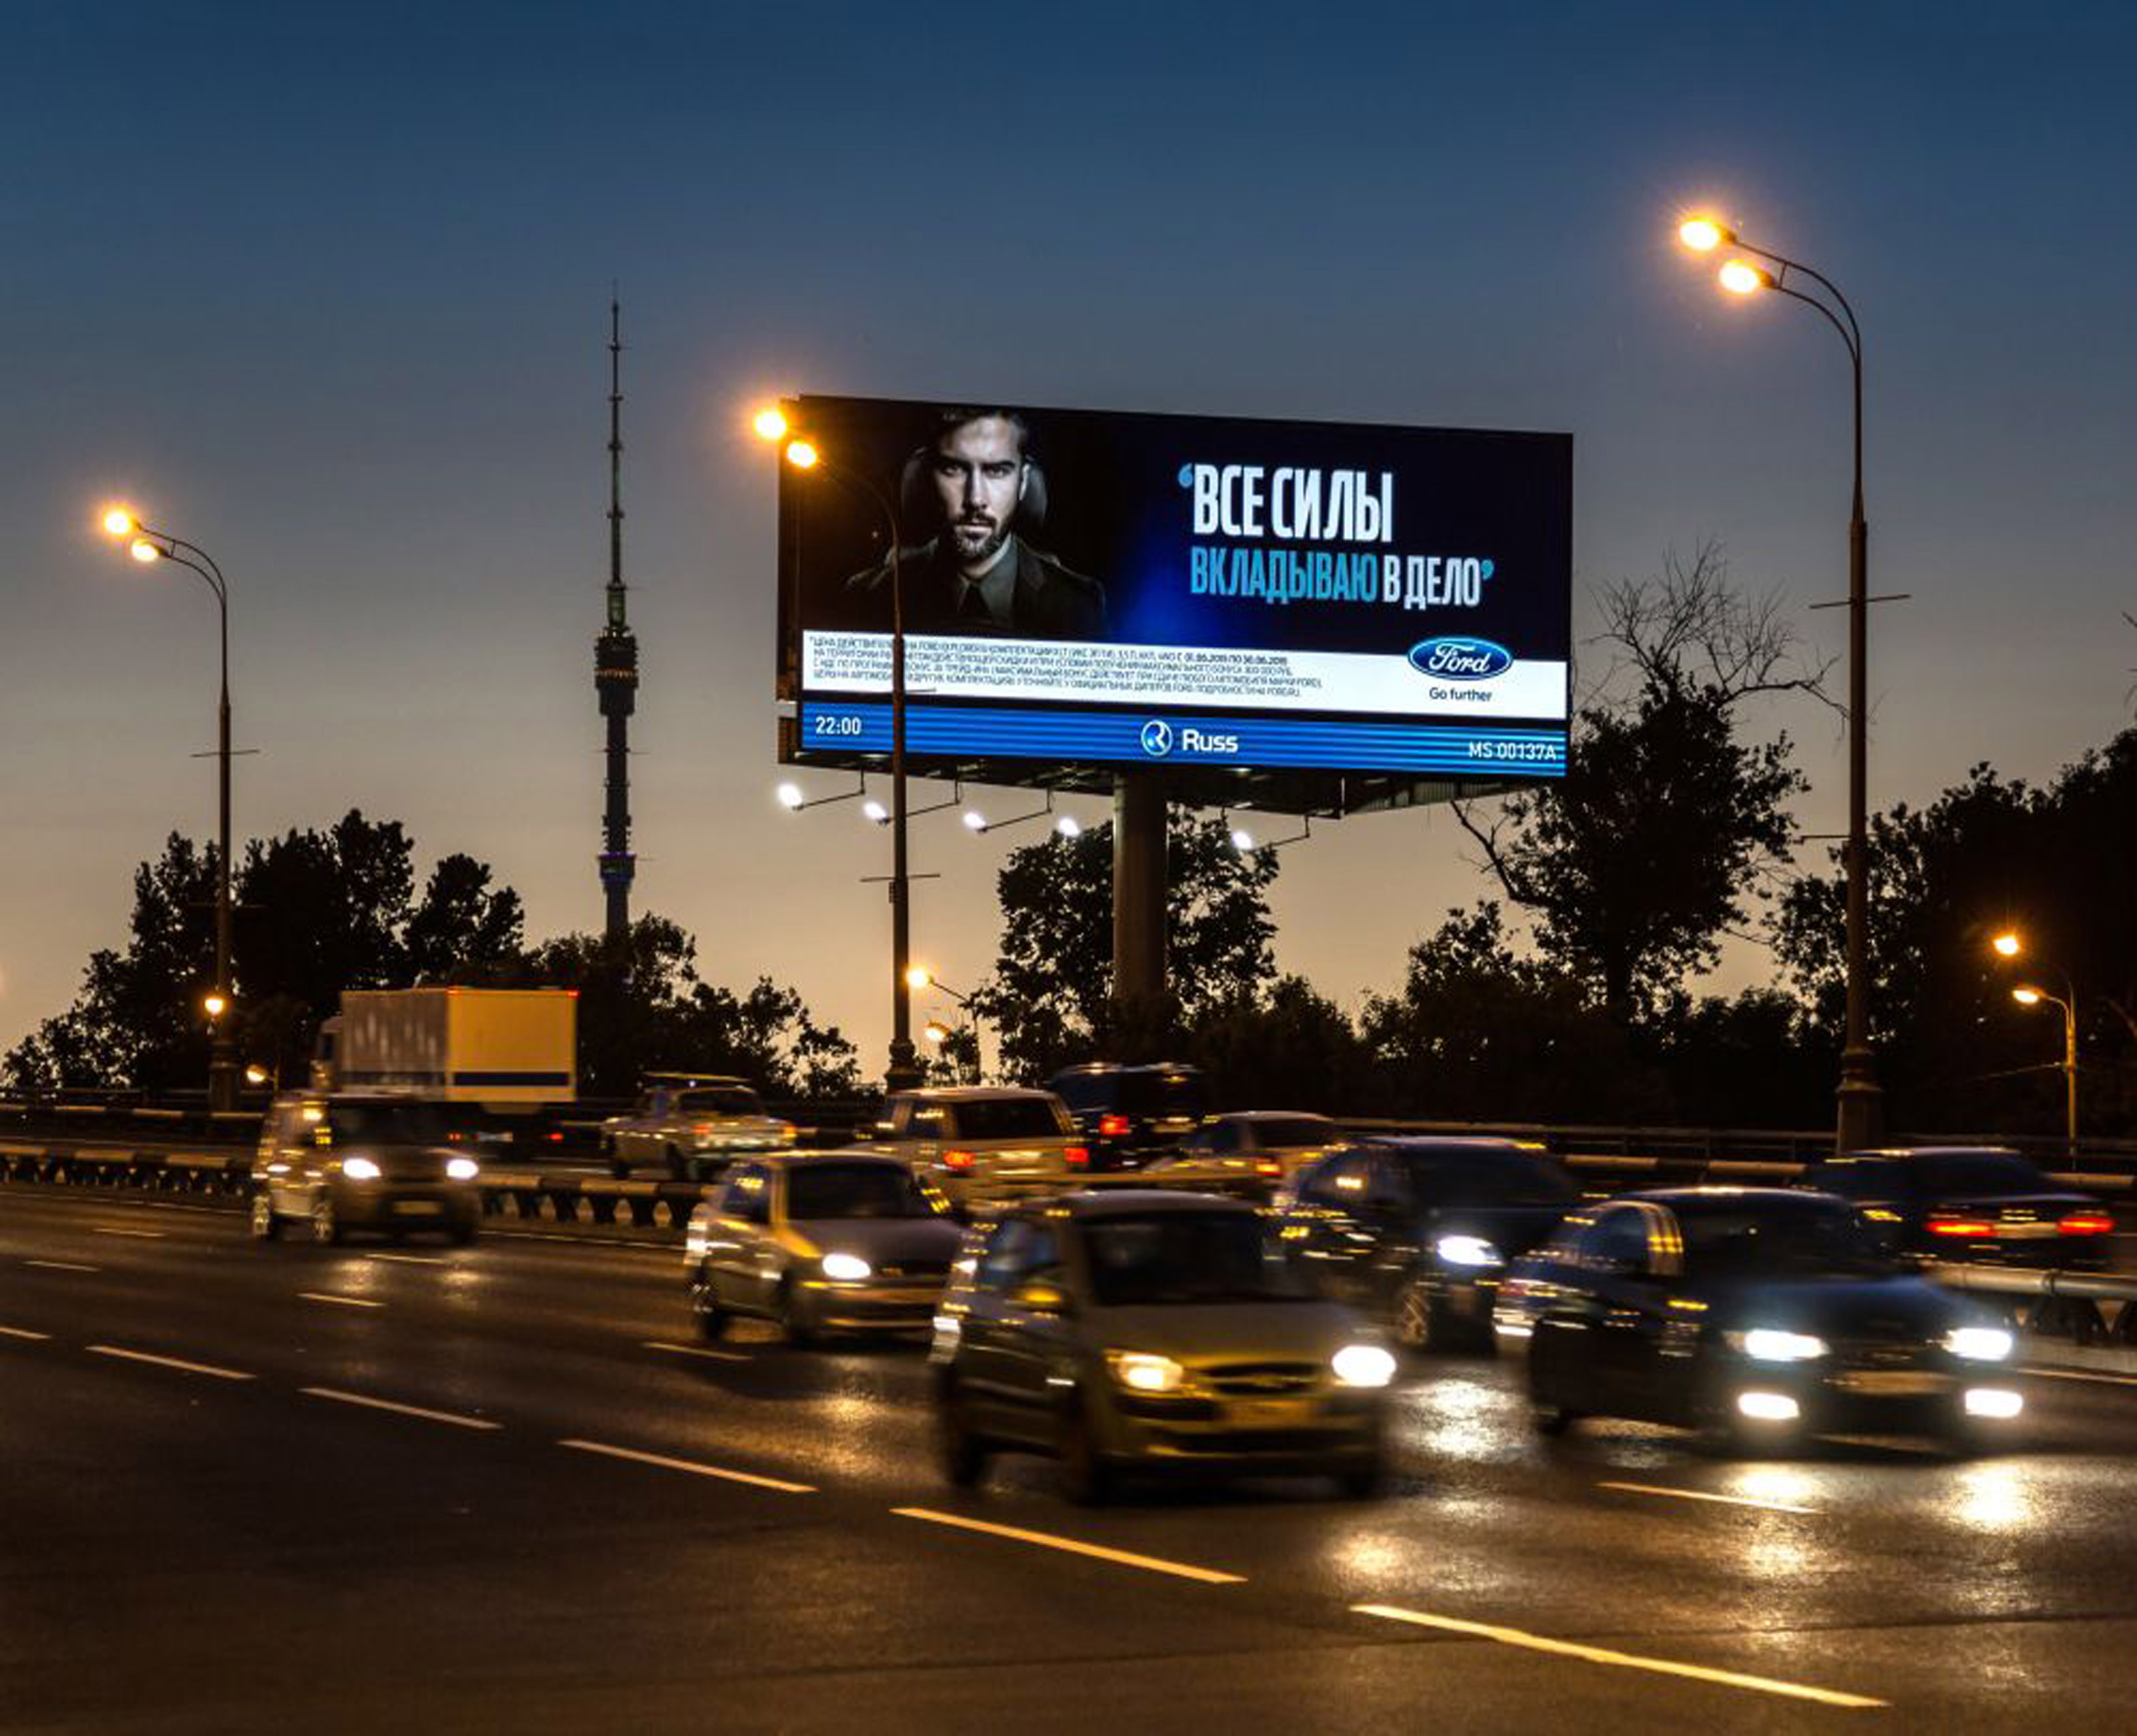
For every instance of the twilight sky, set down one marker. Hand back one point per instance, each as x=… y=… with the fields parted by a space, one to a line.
x=323 y=288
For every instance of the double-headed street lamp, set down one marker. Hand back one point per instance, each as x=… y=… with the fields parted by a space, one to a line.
x=903 y=1073
x=149 y=546
x=1861 y=1102
x=919 y=976
x=2008 y=945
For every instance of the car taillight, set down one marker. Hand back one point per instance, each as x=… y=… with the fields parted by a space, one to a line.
x=1942 y=1225
x=1076 y=1157
x=1268 y=1166
x=1112 y=1126
x=958 y=1159
x=555 y=1139
x=2086 y=1223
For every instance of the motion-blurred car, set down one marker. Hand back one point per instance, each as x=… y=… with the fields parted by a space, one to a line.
x=338 y=1161
x=1152 y=1331
x=822 y=1243
x=980 y=1145
x=1261 y=1148
x=693 y=1126
x=1978 y=1204
x=1757 y=1315
x=1416 y=1230
x=1129 y=1116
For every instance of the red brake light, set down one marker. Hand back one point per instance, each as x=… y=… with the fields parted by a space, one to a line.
x=958 y=1159
x=1268 y=1166
x=2086 y=1223
x=1943 y=1226
x=1112 y=1126
x=1076 y=1157
x=555 y=1139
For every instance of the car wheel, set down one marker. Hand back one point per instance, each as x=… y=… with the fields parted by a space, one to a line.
x=326 y=1222
x=964 y=1453
x=1549 y=1418
x=1418 y=1325
x=266 y=1226
x=1087 y=1477
x=678 y=1170
x=705 y=1304
x=798 y=1317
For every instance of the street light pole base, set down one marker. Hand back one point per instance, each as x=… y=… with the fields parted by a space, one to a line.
x=1862 y=1104
x=904 y=1071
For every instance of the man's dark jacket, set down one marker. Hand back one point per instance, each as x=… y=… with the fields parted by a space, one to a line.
x=1050 y=601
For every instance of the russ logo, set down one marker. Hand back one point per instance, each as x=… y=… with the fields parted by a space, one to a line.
x=1460 y=659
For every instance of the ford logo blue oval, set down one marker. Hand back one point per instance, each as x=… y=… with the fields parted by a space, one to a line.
x=1460 y=659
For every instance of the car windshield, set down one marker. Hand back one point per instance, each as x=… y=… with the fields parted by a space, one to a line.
x=1977 y=1172
x=726 y=1100
x=1009 y=1118
x=1291 y=1133
x=1487 y=1177
x=855 y=1191
x=387 y=1124
x=1801 y=1238
x=1186 y=1257
x=1160 y=1094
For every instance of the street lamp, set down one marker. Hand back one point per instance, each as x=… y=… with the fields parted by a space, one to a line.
x=148 y=545
x=1861 y=1109
x=903 y=1073
x=2032 y=997
x=919 y=976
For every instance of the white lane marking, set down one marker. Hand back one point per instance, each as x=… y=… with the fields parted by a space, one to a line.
x=1097 y=1552
x=2097 y=1379
x=346 y=1301
x=1700 y=1495
x=401 y=1410
x=99 y=1229
x=61 y=1265
x=1623 y=1660
x=665 y=1463
x=169 y=1362
x=410 y=1259
x=23 y=1332
x=654 y=1344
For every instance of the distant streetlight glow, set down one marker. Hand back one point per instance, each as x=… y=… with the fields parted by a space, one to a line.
x=802 y=454
x=145 y=551
x=769 y=425
x=1243 y=840
x=2006 y=944
x=1702 y=235
x=875 y=813
x=1068 y=826
x=936 y=1033
x=120 y=521
x=214 y=1005
x=919 y=976
x=975 y=819
x=790 y=795
x=2028 y=997
x=1740 y=277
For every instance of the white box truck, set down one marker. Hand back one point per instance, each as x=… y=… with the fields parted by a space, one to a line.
x=502 y=1047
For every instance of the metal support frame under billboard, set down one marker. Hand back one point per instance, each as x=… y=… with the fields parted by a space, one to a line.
x=1141 y=811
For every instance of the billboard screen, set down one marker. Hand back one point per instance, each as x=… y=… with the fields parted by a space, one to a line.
x=1098 y=588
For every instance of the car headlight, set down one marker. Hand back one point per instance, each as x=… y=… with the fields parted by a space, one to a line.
x=1468 y=1251
x=1769 y=1343
x=1144 y=1371
x=1978 y=1343
x=1363 y=1365
x=847 y=1268
x=359 y=1168
x=462 y=1169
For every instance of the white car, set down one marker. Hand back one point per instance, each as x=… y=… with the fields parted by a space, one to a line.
x=693 y=1126
x=980 y=1145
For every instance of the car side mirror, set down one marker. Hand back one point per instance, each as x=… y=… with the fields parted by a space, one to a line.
x=1041 y=1297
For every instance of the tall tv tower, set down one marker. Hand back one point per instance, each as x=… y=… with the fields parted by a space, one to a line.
x=616 y=666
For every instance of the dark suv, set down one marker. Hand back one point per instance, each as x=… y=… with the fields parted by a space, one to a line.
x=1129 y=1115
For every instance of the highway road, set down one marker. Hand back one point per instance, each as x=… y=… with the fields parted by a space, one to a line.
x=248 y=1487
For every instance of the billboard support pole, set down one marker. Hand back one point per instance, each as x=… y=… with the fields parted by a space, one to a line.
x=1139 y=889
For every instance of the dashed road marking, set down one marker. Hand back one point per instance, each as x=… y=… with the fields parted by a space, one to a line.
x=346 y=1301
x=102 y=1229
x=410 y=1259
x=401 y=1410
x=1622 y=1659
x=1700 y=1495
x=1097 y=1552
x=24 y=1332
x=2096 y=1378
x=169 y=1362
x=62 y=1266
x=664 y=1463
x=654 y=1344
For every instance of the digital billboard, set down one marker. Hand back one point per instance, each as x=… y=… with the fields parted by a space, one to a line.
x=1085 y=589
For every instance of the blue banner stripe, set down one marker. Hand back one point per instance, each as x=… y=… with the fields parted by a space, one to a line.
x=1185 y=739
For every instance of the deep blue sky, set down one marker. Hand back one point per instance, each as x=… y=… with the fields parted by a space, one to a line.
x=324 y=289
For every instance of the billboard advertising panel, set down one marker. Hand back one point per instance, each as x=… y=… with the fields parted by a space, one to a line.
x=1093 y=588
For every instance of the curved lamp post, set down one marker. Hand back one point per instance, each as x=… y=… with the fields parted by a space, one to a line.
x=149 y=546
x=1860 y=1104
x=919 y=976
x=903 y=1073
x=2009 y=945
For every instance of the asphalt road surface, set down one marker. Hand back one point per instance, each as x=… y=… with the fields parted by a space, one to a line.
x=248 y=1487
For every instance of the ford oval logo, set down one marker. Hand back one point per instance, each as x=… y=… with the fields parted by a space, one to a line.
x=1460 y=659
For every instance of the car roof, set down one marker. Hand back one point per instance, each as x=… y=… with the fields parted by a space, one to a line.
x=1903 y=1152
x=1089 y=1068
x=842 y=1155
x=1447 y=1145
x=1142 y=1202
x=1272 y=1115
x=975 y=1093
x=1789 y=1199
x=687 y=1079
